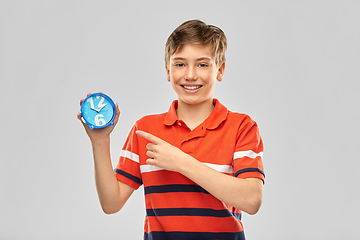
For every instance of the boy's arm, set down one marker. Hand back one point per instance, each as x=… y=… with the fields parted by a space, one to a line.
x=244 y=194
x=112 y=193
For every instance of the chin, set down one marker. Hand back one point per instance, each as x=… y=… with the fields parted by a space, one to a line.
x=194 y=101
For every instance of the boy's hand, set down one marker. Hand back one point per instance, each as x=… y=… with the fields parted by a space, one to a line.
x=99 y=134
x=163 y=154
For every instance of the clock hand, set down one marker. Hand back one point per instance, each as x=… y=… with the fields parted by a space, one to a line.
x=95 y=109
x=102 y=107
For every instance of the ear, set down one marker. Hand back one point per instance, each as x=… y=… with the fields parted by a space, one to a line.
x=221 y=71
x=167 y=72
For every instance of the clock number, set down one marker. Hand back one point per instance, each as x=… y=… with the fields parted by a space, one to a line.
x=91 y=101
x=99 y=121
x=101 y=105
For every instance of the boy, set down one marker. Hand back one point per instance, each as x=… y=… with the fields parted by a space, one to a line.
x=201 y=165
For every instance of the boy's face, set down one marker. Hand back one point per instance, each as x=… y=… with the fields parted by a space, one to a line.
x=193 y=72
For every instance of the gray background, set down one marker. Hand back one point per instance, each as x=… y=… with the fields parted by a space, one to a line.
x=291 y=65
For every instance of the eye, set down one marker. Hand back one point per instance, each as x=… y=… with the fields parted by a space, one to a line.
x=203 y=65
x=179 y=65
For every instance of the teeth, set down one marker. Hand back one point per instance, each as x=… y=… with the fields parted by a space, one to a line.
x=191 y=87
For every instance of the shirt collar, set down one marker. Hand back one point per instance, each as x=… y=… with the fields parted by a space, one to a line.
x=171 y=116
x=217 y=116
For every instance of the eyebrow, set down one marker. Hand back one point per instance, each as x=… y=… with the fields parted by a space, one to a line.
x=199 y=59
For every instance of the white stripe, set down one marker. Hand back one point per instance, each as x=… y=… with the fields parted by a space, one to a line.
x=220 y=168
x=149 y=168
x=250 y=154
x=129 y=155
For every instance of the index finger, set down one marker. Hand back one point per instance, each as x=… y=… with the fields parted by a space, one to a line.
x=149 y=137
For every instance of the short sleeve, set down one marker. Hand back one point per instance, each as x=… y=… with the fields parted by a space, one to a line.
x=128 y=167
x=247 y=160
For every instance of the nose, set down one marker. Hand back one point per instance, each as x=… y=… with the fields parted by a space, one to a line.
x=191 y=74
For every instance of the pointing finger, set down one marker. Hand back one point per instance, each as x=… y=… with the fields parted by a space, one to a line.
x=149 y=137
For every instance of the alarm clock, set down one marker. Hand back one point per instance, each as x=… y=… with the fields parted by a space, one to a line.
x=98 y=110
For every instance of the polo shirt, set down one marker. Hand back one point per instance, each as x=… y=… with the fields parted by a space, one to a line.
x=176 y=207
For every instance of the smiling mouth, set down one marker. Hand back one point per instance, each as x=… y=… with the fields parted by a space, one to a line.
x=191 y=87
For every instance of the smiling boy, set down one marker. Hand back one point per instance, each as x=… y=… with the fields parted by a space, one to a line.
x=200 y=164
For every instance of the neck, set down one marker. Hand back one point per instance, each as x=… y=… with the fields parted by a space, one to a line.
x=194 y=115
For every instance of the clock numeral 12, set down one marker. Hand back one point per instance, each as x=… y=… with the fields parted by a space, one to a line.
x=100 y=105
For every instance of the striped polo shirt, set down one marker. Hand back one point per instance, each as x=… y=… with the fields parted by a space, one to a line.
x=176 y=207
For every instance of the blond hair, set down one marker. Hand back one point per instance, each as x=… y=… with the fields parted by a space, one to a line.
x=197 y=32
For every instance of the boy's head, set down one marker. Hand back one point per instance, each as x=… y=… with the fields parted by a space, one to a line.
x=197 y=32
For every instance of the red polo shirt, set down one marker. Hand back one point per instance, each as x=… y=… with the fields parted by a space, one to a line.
x=176 y=207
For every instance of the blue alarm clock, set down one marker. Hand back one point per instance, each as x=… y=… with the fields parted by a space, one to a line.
x=98 y=110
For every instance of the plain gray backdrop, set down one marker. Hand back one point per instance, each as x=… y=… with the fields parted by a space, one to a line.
x=293 y=66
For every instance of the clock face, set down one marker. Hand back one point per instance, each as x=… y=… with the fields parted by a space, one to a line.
x=98 y=110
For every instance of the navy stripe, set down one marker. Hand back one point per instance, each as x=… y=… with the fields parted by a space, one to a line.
x=174 y=188
x=238 y=216
x=249 y=170
x=203 y=212
x=194 y=235
x=129 y=176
